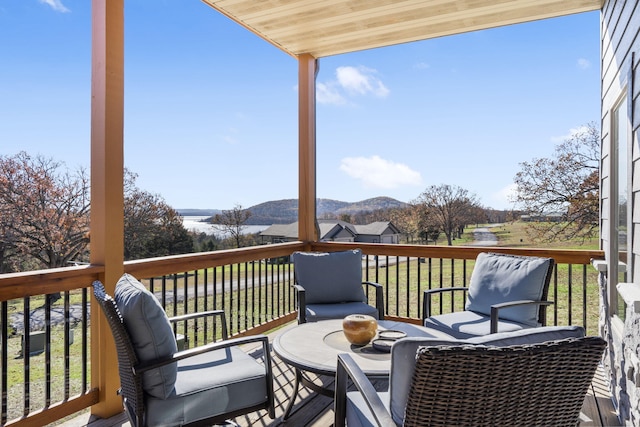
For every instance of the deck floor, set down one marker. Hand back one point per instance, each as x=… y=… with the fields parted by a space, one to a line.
x=314 y=410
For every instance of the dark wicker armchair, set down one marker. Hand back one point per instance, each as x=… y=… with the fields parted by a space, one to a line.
x=197 y=387
x=521 y=385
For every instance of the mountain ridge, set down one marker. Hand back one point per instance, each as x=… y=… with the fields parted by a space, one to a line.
x=285 y=211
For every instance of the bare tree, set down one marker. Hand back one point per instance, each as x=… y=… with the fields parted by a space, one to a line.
x=446 y=208
x=45 y=210
x=232 y=222
x=566 y=184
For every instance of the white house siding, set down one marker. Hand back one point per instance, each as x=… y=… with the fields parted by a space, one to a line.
x=620 y=49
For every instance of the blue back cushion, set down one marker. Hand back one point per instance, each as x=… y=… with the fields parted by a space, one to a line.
x=330 y=277
x=150 y=332
x=498 y=278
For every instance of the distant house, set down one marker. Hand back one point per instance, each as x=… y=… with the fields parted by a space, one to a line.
x=378 y=232
x=547 y=217
x=336 y=231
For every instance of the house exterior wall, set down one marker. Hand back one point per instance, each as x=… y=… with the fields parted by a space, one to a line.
x=620 y=49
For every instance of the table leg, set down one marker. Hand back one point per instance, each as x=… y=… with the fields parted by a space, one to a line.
x=292 y=399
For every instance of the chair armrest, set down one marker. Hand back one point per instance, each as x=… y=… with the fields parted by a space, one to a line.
x=426 y=299
x=496 y=308
x=346 y=369
x=379 y=297
x=301 y=303
x=157 y=363
x=190 y=316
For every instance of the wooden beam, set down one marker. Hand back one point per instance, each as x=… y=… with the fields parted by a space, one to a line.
x=307 y=230
x=107 y=195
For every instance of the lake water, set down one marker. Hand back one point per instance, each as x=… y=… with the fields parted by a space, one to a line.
x=193 y=223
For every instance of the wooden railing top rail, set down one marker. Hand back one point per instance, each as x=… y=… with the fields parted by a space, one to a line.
x=181 y=263
x=563 y=256
x=40 y=282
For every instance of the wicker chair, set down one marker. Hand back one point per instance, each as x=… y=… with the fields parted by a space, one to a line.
x=506 y=293
x=329 y=286
x=212 y=383
x=479 y=385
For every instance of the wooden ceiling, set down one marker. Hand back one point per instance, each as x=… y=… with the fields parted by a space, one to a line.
x=331 y=27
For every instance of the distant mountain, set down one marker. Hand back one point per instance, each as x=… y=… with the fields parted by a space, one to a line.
x=286 y=211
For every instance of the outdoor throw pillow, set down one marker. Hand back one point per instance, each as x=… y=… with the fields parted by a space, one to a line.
x=498 y=278
x=150 y=332
x=330 y=277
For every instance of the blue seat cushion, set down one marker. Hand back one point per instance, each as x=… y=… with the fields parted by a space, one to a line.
x=150 y=331
x=329 y=277
x=498 y=278
x=208 y=385
x=467 y=324
x=316 y=312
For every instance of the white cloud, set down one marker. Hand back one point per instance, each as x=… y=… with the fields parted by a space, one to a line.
x=376 y=172
x=361 y=80
x=572 y=133
x=56 y=5
x=421 y=66
x=584 y=63
x=350 y=82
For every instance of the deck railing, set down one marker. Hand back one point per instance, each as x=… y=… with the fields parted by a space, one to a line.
x=252 y=286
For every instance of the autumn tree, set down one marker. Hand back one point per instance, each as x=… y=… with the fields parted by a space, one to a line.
x=566 y=183
x=152 y=228
x=232 y=222
x=44 y=212
x=446 y=208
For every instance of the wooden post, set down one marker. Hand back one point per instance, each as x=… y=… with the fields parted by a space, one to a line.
x=107 y=189
x=307 y=230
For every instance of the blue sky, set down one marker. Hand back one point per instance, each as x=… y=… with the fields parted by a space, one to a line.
x=211 y=109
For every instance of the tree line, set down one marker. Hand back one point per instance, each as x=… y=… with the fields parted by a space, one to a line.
x=44 y=210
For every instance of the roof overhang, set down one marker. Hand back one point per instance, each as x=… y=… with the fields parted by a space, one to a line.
x=330 y=27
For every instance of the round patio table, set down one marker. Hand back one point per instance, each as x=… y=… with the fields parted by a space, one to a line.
x=314 y=347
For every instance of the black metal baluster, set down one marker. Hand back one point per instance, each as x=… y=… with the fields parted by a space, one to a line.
x=67 y=357
x=185 y=307
x=26 y=349
x=441 y=264
x=175 y=294
x=555 y=295
x=570 y=292
x=47 y=350
x=85 y=322
x=397 y=284
x=195 y=307
x=253 y=293
x=5 y=361
x=260 y=285
x=206 y=303
x=452 y=284
x=408 y=291
x=584 y=297
x=419 y=288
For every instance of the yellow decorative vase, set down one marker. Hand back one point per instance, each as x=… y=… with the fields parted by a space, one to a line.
x=359 y=328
